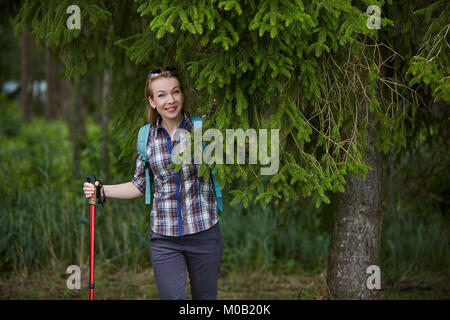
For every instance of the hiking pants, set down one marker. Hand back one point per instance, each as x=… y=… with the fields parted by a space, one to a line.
x=200 y=252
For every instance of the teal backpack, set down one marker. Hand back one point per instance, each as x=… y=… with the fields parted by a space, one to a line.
x=142 y=146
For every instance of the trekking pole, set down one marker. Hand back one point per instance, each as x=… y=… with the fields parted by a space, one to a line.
x=92 y=179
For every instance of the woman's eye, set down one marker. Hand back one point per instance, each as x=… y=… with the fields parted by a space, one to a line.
x=161 y=95
x=176 y=91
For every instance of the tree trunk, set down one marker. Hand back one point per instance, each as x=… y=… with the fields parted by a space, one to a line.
x=106 y=93
x=26 y=84
x=356 y=236
x=77 y=125
x=51 y=72
x=65 y=87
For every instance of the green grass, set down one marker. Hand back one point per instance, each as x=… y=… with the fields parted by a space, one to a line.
x=415 y=243
x=239 y=285
x=47 y=226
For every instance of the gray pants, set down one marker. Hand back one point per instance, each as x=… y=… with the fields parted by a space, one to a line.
x=200 y=252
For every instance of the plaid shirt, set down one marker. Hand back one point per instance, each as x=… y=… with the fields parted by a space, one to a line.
x=183 y=203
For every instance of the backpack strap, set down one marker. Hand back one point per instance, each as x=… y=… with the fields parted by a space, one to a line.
x=198 y=122
x=142 y=147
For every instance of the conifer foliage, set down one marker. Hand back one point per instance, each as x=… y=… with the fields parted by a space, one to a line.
x=272 y=64
x=290 y=65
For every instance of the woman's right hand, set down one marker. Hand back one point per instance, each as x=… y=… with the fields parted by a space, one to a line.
x=89 y=189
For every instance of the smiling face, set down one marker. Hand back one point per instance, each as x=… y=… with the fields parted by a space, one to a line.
x=167 y=98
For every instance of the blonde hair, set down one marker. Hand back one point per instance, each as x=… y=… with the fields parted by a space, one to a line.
x=152 y=114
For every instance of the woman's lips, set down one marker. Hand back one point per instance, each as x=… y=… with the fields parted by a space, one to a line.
x=171 y=109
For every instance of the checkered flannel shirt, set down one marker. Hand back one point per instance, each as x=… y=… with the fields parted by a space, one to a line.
x=183 y=203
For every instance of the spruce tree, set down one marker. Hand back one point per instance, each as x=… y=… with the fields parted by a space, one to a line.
x=311 y=69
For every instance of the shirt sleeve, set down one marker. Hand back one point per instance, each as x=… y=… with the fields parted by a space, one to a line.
x=139 y=173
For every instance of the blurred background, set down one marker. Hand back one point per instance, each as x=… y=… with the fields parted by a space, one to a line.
x=55 y=131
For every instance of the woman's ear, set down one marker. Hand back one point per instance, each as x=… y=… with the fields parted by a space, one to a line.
x=152 y=104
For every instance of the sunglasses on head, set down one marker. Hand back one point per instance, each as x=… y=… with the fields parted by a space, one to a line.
x=155 y=72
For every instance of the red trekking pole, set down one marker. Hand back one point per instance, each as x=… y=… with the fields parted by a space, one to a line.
x=91 y=179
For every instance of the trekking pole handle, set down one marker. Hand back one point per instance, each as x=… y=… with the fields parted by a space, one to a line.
x=92 y=179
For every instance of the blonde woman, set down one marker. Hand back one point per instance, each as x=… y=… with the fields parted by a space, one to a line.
x=185 y=232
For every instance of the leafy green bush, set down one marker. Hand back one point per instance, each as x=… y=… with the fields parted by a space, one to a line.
x=11 y=119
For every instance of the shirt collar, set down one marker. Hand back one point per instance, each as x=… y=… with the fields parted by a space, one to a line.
x=186 y=123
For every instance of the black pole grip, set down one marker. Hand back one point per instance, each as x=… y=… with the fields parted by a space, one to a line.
x=91 y=179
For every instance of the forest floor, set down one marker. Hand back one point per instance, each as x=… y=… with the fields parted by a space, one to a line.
x=140 y=285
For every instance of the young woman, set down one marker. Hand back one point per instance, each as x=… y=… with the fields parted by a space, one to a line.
x=184 y=224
